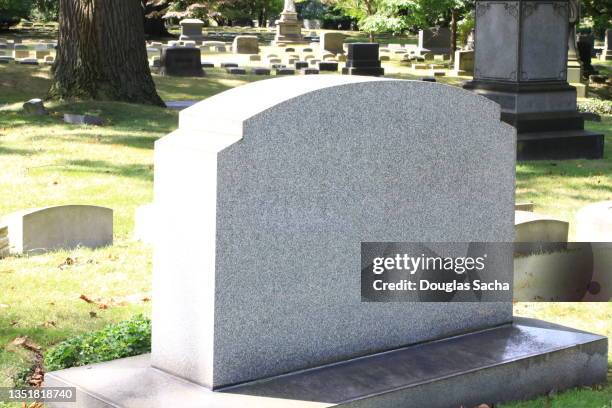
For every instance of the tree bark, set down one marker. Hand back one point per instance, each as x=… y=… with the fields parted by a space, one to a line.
x=101 y=53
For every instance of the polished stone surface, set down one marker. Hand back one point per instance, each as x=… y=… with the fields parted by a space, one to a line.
x=275 y=184
x=510 y=362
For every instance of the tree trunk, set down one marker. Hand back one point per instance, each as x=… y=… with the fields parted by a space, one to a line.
x=453 y=40
x=101 y=53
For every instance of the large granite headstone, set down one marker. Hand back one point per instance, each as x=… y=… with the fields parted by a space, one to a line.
x=181 y=61
x=520 y=62
x=263 y=198
x=362 y=59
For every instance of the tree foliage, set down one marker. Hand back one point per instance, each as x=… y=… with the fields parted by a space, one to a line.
x=11 y=11
x=398 y=16
x=599 y=14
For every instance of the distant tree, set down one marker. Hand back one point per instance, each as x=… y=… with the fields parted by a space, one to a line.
x=599 y=14
x=226 y=12
x=47 y=10
x=398 y=16
x=101 y=53
x=12 y=11
x=372 y=16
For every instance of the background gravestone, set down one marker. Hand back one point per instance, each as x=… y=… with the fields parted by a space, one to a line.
x=191 y=29
x=181 y=61
x=276 y=210
x=362 y=59
x=436 y=40
x=245 y=44
x=520 y=62
x=288 y=28
x=332 y=42
x=60 y=227
x=606 y=54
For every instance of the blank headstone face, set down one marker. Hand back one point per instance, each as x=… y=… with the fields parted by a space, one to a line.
x=544 y=52
x=332 y=42
x=191 y=27
x=245 y=44
x=265 y=193
x=437 y=39
x=181 y=61
x=60 y=227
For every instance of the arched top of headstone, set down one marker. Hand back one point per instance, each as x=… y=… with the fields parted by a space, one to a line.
x=192 y=21
x=218 y=122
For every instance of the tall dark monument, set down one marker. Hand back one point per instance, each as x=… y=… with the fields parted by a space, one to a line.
x=521 y=63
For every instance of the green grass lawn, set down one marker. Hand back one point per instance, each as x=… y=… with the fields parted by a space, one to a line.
x=46 y=162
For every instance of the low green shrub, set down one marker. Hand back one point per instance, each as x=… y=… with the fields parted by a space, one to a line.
x=598 y=106
x=128 y=338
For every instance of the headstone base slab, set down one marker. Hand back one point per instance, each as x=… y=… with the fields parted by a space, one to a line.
x=516 y=361
x=546 y=119
x=560 y=145
x=372 y=71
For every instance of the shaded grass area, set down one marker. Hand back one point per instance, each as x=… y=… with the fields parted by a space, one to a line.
x=46 y=162
x=561 y=188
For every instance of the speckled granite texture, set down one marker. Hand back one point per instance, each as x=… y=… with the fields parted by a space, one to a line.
x=265 y=193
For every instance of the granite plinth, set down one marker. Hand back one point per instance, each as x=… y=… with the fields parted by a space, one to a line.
x=560 y=145
x=510 y=362
x=364 y=71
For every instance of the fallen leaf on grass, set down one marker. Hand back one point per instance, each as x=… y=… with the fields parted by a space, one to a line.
x=93 y=314
x=68 y=262
x=37 y=378
x=33 y=405
x=25 y=342
x=98 y=303
x=113 y=302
